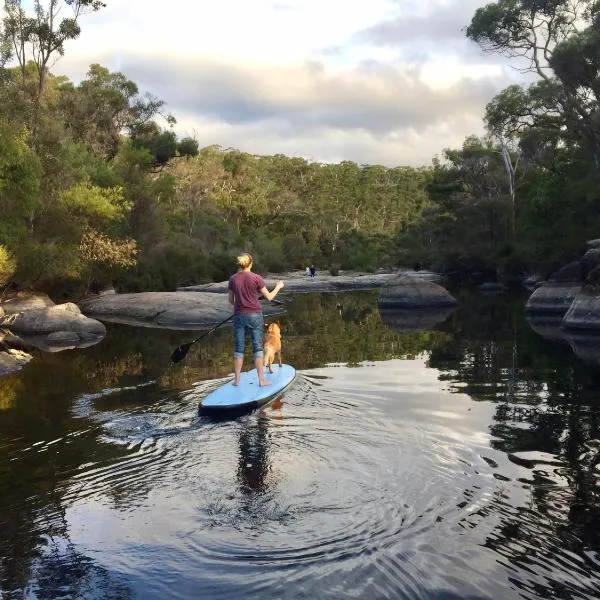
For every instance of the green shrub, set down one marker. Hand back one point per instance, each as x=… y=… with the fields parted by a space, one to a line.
x=8 y=265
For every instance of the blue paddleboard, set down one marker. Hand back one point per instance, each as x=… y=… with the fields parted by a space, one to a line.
x=248 y=394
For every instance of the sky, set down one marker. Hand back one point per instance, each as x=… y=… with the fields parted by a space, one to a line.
x=392 y=82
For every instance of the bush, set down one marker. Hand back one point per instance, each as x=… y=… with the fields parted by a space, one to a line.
x=8 y=265
x=294 y=249
x=334 y=269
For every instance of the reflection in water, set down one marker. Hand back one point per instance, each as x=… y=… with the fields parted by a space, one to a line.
x=253 y=442
x=405 y=320
x=406 y=462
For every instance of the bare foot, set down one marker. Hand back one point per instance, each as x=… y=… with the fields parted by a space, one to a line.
x=264 y=383
x=236 y=383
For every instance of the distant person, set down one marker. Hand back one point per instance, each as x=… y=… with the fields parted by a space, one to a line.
x=417 y=266
x=313 y=270
x=307 y=272
x=243 y=292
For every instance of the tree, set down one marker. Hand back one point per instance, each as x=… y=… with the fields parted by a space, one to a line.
x=559 y=40
x=187 y=146
x=99 y=109
x=44 y=34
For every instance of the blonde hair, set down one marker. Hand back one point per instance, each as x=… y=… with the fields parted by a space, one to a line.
x=244 y=261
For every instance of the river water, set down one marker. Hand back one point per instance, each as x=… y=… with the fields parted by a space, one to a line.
x=458 y=462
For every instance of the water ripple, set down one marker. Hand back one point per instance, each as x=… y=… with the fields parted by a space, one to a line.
x=327 y=485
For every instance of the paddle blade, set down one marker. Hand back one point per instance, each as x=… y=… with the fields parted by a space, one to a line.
x=180 y=352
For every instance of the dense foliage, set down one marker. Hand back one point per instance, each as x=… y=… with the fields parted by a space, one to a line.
x=527 y=196
x=96 y=188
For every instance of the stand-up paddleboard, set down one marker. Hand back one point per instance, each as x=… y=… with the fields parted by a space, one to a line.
x=248 y=395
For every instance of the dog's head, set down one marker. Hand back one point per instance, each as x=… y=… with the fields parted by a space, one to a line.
x=273 y=328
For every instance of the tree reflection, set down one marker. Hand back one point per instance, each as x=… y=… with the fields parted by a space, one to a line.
x=545 y=398
x=546 y=406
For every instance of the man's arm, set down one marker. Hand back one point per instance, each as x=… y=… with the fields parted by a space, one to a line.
x=269 y=295
x=231 y=296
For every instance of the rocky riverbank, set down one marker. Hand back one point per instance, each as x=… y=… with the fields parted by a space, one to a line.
x=571 y=294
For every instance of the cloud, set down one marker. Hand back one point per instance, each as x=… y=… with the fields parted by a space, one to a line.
x=330 y=144
x=375 y=98
x=439 y=24
x=389 y=81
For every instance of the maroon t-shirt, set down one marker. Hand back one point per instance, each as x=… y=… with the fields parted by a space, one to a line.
x=246 y=287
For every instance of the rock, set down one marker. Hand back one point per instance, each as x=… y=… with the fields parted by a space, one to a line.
x=593 y=277
x=593 y=243
x=590 y=259
x=63 y=337
x=55 y=319
x=584 y=312
x=171 y=310
x=26 y=301
x=415 y=319
x=13 y=360
x=323 y=282
x=585 y=345
x=552 y=298
x=68 y=307
x=60 y=340
x=533 y=281
x=571 y=273
x=411 y=292
x=547 y=326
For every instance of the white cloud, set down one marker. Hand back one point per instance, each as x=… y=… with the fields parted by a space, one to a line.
x=389 y=81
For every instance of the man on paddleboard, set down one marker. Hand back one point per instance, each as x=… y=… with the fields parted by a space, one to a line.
x=243 y=291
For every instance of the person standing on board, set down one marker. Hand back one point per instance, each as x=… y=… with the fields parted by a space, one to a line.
x=243 y=291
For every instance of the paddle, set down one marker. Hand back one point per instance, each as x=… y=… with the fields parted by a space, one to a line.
x=181 y=352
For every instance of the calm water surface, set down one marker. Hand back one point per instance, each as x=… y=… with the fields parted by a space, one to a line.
x=453 y=463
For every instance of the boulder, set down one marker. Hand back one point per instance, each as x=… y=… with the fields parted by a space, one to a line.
x=593 y=243
x=411 y=292
x=60 y=340
x=61 y=318
x=552 y=298
x=584 y=312
x=323 y=282
x=585 y=345
x=26 y=301
x=547 y=326
x=170 y=310
x=533 y=281
x=13 y=360
x=570 y=273
x=590 y=260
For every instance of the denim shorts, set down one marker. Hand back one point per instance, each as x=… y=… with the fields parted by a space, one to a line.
x=256 y=324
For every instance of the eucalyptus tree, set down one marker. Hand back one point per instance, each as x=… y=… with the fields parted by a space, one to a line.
x=42 y=36
x=558 y=41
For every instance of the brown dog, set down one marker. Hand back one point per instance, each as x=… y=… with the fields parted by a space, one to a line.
x=272 y=345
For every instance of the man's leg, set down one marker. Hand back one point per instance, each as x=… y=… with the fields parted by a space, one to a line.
x=257 y=326
x=260 y=369
x=238 y=362
x=239 y=339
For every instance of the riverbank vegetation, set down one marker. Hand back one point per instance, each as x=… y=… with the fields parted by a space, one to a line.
x=97 y=189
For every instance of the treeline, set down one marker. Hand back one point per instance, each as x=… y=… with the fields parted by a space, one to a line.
x=96 y=188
